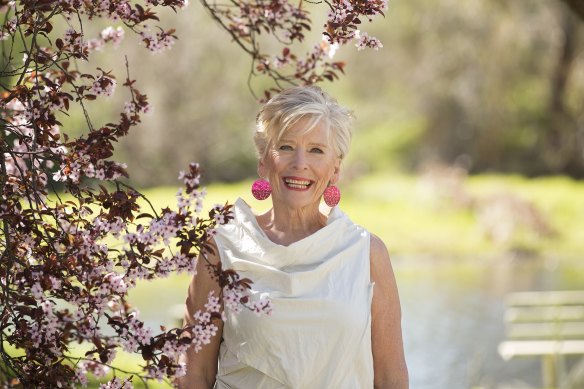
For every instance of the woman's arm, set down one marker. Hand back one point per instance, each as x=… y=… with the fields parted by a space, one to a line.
x=389 y=363
x=201 y=366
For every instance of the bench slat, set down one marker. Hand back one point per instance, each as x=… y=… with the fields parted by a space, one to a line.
x=552 y=330
x=518 y=348
x=543 y=314
x=570 y=297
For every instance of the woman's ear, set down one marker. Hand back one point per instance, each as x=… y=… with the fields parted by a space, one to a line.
x=261 y=168
x=336 y=172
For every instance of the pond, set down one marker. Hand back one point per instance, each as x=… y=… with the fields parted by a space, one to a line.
x=452 y=316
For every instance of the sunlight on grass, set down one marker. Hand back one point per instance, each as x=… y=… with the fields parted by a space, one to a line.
x=125 y=362
x=412 y=221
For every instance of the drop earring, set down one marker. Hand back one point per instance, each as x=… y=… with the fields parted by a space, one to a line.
x=332 y=196
x=261 y=189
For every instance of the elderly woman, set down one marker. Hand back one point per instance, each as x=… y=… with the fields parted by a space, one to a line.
x=336 y=319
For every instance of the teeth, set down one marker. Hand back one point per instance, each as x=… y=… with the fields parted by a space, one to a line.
x=297 y=182
x=297 y=186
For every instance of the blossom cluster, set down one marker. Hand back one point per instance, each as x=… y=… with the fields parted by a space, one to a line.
x=159 y=42
x=75 y=238
x=291 y=22
x=109 y=34
x=364 y=41
x=104 y=85
x=116 y=383
x=234 y=295
x=95 y=280
x=71 y=263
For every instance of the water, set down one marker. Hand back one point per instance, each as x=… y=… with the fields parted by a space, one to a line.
x=452 y=316
x=453 y=319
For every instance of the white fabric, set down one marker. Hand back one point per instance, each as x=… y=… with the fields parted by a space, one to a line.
x=319 y=334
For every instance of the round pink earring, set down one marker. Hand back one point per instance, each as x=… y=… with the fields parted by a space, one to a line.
x=261 y=189
x=332 y=196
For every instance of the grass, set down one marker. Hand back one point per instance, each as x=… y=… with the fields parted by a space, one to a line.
x=414 y=221
x=123 y=361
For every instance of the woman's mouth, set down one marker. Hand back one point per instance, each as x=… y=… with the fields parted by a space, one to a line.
x=296 y=183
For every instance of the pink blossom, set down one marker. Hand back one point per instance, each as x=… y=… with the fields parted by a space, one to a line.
x=364 y=40
x=130 y=345
x=212 y=304
x=94 y=367
x=116 y=383
x=37 y=291
x=157 y=43
x=114 y=35
x=156 y=373
x=181 y=371
x=81 y=375
x=94 y=44
x=104 y=86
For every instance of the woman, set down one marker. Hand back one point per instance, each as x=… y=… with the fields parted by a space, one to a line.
x=336 y=320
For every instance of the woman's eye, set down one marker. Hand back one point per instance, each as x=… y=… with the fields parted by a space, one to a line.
x=317 y=150
x=285 y=147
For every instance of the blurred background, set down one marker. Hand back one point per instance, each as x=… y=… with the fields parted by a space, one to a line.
x=467 y=159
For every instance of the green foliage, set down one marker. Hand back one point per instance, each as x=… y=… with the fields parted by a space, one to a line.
x=386 y=146
x=415 y=221
x=454 y=80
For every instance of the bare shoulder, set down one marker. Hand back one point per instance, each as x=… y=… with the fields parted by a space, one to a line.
x=378 y=248
x=379 y=258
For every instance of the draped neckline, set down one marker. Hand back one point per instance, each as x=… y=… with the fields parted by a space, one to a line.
x=248 y=220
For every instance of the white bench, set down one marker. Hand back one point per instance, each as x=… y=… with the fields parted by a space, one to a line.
x=549 y=325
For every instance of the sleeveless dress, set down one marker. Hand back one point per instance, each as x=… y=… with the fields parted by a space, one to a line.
x=319 y=333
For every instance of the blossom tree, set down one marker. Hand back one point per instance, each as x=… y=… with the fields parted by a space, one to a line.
x=75 y=237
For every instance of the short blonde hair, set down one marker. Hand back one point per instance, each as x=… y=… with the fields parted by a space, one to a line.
x=303 y=102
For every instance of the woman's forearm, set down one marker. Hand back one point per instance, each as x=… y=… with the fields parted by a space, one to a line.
x=196 y=382
x=393 y=385
x=396 y=383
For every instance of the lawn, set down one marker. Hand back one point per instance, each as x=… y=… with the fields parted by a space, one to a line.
x=415 y=218
x=433 y=217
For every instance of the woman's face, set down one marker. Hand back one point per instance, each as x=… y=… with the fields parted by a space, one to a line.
x=300 y=165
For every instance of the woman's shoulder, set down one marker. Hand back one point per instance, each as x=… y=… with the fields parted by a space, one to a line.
x=378 y=247
x=379 y=257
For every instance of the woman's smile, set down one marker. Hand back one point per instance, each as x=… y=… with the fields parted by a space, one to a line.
x=297 y=183
x=300 y=165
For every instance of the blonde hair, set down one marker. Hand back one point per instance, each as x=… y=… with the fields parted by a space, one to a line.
x=303 y=102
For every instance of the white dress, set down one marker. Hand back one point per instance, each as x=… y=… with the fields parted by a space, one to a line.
x=319 y=334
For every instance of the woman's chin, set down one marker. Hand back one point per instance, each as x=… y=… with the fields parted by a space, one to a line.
x=296 y=199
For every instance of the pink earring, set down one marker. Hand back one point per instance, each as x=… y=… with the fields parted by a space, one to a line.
x=332 y=196
x=261 y=189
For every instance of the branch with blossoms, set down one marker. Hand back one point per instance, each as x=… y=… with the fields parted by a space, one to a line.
x=289 y=23
x=70 y=257
x=74 y=237
x=95 y=259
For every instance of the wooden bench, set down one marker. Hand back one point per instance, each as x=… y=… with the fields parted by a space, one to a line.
x=549 y=325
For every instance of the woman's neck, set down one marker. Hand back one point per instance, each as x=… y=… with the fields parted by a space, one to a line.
x=285 y=226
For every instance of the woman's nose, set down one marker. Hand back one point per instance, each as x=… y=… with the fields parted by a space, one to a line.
x=300 y=161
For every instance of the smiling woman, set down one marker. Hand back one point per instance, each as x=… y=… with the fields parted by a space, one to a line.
x=300 y=165
x=336 y=320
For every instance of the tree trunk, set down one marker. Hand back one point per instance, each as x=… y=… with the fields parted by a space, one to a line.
x=562 y=145
x=577 y=6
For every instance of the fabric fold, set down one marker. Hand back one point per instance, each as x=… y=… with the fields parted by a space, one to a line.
x=319 y=335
